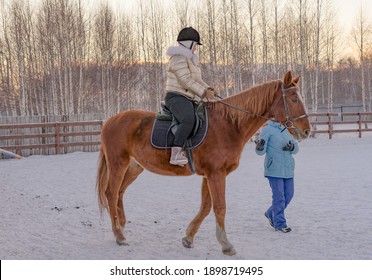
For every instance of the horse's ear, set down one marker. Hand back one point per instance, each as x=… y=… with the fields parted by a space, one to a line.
x=296 y=80
x=288 y=79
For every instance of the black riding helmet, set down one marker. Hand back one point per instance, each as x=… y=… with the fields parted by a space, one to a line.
x=189 y=34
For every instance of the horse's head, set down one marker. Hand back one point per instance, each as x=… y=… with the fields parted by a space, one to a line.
x=289 y=108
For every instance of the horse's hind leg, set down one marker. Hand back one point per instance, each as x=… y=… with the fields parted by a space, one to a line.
x=205 y=207
x=134 y=169
x=117 y=170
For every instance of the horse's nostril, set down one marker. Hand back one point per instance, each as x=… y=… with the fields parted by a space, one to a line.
x=307 y=132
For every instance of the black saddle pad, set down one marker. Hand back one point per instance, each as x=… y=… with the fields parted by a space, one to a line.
x=163 y=138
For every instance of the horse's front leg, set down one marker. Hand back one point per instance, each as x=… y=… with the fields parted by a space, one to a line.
x=205 y=208
x=217 y=187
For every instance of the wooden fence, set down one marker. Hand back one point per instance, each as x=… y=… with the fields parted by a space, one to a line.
x=50 y=138
x=332 y=123
x=68 y=136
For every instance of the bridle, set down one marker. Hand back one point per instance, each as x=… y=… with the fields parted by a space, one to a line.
x=289 y=120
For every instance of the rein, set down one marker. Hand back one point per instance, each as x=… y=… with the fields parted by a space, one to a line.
x=240 y=109
x=288 y=123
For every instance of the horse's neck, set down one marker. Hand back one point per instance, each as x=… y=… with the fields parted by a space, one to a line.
x=249 y=111
x=242 y=129
x=250 y=126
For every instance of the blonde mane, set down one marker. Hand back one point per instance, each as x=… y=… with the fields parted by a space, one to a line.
x=255 y=99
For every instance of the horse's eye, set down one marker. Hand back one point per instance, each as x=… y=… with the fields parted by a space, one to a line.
x=294 y=99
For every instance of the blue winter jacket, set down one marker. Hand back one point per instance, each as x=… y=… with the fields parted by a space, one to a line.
x=278 y=163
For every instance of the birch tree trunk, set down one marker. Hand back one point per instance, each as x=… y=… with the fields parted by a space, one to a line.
x=9 y=69
x=264 y=39
x=252 y=38
x=360 y=34
x=17 y=34
x=104 y=39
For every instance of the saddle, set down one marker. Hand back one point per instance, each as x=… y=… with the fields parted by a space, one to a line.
x=166 y=125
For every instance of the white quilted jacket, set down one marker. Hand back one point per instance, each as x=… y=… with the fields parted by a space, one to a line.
x=183 y=73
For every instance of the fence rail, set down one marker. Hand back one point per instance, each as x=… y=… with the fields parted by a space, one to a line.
x=63 y=137
x=50 y=138
x=327 y=123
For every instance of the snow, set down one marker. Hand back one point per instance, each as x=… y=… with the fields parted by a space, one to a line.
x=49 y=210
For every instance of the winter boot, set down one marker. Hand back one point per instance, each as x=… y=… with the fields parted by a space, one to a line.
x=270 y=220
x=178 y=157
x=284 y=230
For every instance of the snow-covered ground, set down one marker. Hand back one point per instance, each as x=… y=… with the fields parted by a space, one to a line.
x=48 y=209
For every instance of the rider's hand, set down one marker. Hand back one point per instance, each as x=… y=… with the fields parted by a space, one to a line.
x=209 y=93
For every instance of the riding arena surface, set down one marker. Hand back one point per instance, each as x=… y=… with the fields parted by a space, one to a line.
x=49 y=210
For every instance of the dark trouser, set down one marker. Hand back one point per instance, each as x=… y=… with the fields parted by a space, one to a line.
x=183 y=110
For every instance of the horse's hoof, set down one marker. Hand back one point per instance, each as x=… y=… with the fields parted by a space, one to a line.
x=229 y=251
x=187 y=243
x=122 y=242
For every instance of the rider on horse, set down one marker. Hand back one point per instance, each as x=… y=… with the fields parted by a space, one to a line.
x=184 y=86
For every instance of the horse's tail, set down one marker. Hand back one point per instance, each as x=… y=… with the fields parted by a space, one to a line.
x=102 y=181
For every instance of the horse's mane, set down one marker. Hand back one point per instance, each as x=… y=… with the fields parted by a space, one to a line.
x=256 y=99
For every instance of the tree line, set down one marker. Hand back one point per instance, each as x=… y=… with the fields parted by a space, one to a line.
x=65 y=57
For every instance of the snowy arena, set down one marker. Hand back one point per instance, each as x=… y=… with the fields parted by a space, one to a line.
x=49 y=210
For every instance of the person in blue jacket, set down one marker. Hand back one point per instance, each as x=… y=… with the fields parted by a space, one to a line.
x=279 y=146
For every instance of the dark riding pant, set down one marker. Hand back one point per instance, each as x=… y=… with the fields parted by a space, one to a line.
x=183 y=110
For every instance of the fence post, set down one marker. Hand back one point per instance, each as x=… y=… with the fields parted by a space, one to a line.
x=360 y=124
x=58 y=141
x=329 y=125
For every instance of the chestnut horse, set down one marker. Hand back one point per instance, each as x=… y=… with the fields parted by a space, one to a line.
x=126 y=150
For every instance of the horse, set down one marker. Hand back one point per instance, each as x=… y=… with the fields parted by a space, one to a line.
x=126 y=150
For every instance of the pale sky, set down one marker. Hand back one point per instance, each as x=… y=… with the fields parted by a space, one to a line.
x=348 y=10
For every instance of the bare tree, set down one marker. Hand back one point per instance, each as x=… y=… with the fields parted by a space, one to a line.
x=125 y=55
x=235 y=44
x=369 y=76
x=319 y=13
x=183 y=12
x=252 y=11
x=303 y=39
x=207 y=25
x=225 y=54
x=331 y=35
x=157 y=28
x=361 y=33
x=59 y=57
x=80 y=43
x=8 y=68
x=16 y=29
x=263 y=19
x=104 y=29
x=275 y=4
x=230 y=47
